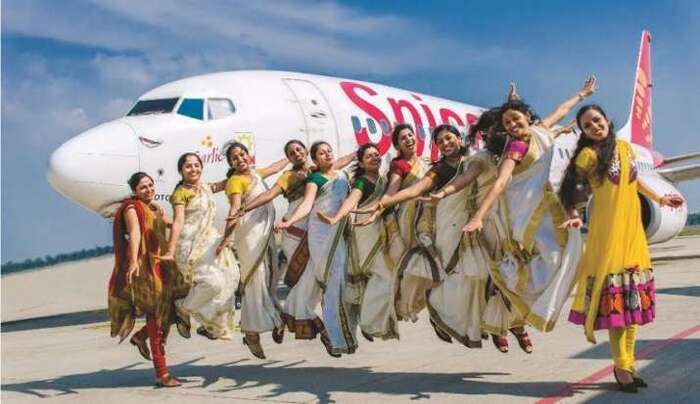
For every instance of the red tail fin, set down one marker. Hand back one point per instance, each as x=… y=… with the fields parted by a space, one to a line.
x=640 y=115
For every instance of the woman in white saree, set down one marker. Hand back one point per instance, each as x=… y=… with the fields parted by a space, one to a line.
x=445 y=271
x=254 y=247
x=369 y=280
x=539 y=258
x=324 y=279
x=400 y=229
x=192 y=245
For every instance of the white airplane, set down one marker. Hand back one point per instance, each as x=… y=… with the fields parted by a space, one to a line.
x=264 y=109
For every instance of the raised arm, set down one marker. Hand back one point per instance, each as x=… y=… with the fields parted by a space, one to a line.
x=264 y=198
x=589 y=87
x=273 y=168
x=303 y=209
x=348 y=205
x=234 y=201
x=178 y=221
x=412 y=192
x=343 y=161
x=505 y=171
x=473 y=170
x=134 y=231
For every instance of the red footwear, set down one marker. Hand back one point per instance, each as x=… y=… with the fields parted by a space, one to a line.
x=500 y=342
x=523 y=339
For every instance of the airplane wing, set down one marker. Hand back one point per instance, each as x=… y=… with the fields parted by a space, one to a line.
x=678 y=174
x=681 y=157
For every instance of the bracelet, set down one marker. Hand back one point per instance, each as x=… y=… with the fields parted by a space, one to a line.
x=580 y=96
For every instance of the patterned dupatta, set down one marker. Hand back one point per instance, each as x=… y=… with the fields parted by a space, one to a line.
x=149 y=292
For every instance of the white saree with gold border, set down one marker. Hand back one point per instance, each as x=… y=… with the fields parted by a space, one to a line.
x=539 y=260
x=329 y=265
x=213 y=278
x=457 y=304
x=254 y=245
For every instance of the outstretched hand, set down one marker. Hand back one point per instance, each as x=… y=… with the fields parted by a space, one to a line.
x=574 y=222
x=281 y=226
x=433 y=197
x=368 y=220
x=671 y=200
x=325 y=218
x=368 y=209
x=474 y=224
x=589 y=86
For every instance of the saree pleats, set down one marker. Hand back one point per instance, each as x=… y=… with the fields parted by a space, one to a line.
x=213 y=278
x=253 y=243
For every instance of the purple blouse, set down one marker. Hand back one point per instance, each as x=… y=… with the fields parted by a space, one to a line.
x=516 y=150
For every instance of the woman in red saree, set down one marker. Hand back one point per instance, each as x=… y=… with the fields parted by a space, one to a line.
x=140 y=283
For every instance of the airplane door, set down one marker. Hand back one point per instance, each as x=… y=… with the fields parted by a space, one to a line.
x=318 y=117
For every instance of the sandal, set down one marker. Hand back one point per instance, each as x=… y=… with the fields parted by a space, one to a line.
x=523 y=339
x=205 y=333
x=500 y=342
x=182 y=323
x=630 y=387
x=252 y=341
x=278 y=334
x=440 y=333
x=325 y=340
x=142 y=346
x=167 y=381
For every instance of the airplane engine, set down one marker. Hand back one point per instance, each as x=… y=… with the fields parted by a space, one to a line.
x=661 y=224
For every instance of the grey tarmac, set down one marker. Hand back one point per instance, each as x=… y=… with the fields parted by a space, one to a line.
x=56 y=348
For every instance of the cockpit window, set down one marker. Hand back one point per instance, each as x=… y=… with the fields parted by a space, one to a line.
x=219 y=108
x=192 y=107
x=147 y=107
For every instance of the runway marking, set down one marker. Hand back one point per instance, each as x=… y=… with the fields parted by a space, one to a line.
x=570 y=389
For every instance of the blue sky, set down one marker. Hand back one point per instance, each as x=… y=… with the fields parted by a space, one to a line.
x=70 y=65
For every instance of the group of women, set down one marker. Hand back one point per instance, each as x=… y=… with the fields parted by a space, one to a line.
x=479 y=239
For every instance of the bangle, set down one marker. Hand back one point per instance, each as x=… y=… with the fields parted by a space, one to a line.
x=580 y=96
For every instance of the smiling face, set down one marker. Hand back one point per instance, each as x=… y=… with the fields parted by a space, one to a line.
x=448 y=143
x=407 y=143
x=239 y=160
x=191 y=170
x=517 y=123
x=296 y=153
x=371 y=160
x=145 y=190
x=595 y=126
x=324 y=157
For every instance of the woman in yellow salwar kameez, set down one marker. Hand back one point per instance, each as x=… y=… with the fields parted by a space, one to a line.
x=615 y=289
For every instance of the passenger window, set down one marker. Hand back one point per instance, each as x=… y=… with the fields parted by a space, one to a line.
x=192 y=107
x=218 y=108
x=372 y=127
x=356 y=126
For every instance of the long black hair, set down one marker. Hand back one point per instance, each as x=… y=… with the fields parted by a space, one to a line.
x=229 y=150
x=492 y=132
x=357 y=170
x=181 y=163
x=395 y=135
x=136 y=178
x=517 y=105
x=604 y=150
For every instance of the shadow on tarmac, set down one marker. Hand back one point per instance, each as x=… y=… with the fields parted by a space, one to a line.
x=692 y=291
x=59 y=320
x=287 y=378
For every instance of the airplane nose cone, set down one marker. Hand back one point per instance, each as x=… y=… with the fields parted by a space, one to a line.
x=92 y=168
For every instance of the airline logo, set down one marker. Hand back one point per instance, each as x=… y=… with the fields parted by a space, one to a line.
x=640 y=116
x=385 y=112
